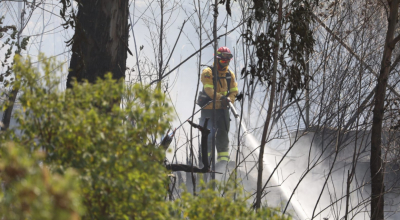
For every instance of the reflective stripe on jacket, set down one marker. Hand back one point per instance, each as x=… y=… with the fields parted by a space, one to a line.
x=222 y=86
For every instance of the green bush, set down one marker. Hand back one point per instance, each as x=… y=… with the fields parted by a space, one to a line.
x=31 y=191
x=120 y=167
x=96 y=153
x=228 y=202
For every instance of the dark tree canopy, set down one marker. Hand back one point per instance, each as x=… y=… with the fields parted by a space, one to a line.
x=291 y=58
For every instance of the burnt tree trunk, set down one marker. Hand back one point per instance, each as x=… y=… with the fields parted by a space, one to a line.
x=190 y=168
x=376 y=162
x=100 y=42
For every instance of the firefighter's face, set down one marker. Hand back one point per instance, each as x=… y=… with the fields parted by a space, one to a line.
x=224 y=62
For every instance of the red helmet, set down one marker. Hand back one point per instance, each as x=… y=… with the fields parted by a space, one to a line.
x=224 y=53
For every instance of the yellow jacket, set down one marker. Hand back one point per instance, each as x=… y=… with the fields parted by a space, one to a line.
x=222 y=86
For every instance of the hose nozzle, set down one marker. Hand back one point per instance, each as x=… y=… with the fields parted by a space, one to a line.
x=233 y=109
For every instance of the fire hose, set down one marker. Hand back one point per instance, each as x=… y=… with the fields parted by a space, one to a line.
x=166 y=141
x=233 y=110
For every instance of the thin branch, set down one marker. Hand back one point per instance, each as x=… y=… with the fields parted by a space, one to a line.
x=188 y=58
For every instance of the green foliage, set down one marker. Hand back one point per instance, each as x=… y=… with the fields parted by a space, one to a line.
x=10 y=43
x=120 y=167
x=31 y=191
x=226 y=203
x=97 y=160
x=295 y=42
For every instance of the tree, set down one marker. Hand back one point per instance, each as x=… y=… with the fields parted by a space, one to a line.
x=376 y=162
x=100 y=42
x=319 y=81
x=20 y=43
x=274 y=53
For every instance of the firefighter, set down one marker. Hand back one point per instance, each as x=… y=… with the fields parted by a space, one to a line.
x=222 y=99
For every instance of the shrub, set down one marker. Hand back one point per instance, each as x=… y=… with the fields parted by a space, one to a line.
x=228 y=202
x=120 y=168
x=79 y=154
x=31 y=191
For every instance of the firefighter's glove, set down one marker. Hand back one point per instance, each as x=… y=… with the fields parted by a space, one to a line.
x=225 y=101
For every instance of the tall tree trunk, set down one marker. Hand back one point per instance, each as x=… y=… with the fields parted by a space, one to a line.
x=376 y=164
x=6 y=118
x=100 y=42
x=307 y=122
x=269 y=113
x=215 y=74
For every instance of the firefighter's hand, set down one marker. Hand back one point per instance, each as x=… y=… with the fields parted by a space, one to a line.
x=225 y=101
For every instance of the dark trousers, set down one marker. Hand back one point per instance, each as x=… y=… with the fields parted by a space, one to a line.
x=220 y=133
